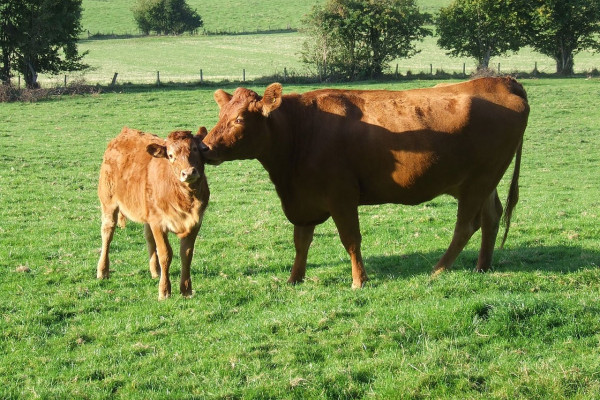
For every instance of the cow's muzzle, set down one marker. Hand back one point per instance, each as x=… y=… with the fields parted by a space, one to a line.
x=210 y=156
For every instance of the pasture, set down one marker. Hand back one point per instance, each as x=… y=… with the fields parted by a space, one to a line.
x=529 y=329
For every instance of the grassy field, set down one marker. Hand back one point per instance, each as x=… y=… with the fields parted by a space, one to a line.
x=530 y=329
x=114 y=17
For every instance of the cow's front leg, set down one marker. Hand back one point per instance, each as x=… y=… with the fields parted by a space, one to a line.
x=186 y=252
x=165 y=254
x=303 y=236
x=348 y=227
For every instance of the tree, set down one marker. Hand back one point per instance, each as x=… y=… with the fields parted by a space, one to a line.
x=39 y=36
x=169 y=17
x=358 y=38
x=563 y=28
x=481 y=29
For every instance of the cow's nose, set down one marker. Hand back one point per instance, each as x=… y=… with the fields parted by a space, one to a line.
x=203 y=147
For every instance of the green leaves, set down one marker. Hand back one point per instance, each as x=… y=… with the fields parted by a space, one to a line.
x=351 y=39
x=169 y=17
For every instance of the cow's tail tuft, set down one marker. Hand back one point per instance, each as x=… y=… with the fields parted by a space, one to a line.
x=513 y=193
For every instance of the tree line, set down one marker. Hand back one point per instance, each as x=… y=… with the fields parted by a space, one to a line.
x=353 y=39
x=346 y=39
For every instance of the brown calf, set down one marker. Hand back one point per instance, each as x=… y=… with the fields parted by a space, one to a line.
x=329 y=151
x=161 y=184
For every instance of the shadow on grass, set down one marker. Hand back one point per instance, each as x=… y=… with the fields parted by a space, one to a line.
x=559 y=259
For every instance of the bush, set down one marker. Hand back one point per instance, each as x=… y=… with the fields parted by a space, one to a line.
x=168 y=17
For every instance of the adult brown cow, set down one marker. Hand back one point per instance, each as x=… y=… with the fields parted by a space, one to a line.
x=160 y=183
x=329 y=151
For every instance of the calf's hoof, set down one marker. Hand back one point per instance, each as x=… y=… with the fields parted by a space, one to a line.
x=102 y=274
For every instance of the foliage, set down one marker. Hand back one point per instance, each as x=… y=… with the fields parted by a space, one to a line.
x=530 y=329
x=352 y=39
x=39 y=36
x=169 y=17
x=481 y=28
x=563 y=28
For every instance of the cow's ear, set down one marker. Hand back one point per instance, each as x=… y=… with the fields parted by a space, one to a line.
x=271 y=99
x=222 y=97
x=157 y=150
x=202 y=132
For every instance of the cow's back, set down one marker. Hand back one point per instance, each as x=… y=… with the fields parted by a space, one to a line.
x=410 y=146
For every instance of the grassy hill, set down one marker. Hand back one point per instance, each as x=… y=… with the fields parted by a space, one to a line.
x=115 y=17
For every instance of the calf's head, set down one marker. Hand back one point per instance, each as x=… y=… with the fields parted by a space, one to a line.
x=241 y=132
x=182 y=150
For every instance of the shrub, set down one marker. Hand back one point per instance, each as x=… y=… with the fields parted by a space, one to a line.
x=168 y=17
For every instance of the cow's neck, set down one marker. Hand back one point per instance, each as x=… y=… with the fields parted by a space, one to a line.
x=282 y=154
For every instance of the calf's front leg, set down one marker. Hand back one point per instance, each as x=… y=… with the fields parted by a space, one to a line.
x=186 y=252
x=165 y=255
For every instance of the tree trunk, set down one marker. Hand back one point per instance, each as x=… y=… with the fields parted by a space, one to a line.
x=31 y=77
x=564 y=63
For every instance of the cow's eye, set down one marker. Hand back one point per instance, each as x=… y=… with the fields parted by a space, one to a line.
x=239 y=120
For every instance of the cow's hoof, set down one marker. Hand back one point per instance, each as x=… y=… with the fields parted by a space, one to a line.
x=294 y=282
x=437 y=272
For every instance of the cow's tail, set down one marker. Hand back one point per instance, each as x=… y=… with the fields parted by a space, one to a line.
x=513 y=193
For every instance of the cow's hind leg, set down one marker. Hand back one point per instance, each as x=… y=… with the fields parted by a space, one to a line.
x=152 y=255
x=491 y=212
x=467 y=223
x=186 y=252
x=165 y=255
x=109 y=221
x=348 y=227
x=303 y=236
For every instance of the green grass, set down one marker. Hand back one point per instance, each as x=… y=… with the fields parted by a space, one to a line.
x=115 y=16
x=530 y=329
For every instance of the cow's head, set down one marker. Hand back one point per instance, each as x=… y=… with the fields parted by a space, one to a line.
x=240 y=132
x=182 y=150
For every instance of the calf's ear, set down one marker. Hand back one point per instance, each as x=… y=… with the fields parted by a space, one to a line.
x=222 y=97
x=202 y=132
x=271 y=99
x=157 y=150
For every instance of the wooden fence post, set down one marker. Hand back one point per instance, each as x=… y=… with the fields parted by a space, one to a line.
x=157 y=78
x=114 y=79
x=201 y=78
x=464 y=69
x=244 y=75
x=396 y=71
x=430 y=69
x=65 y=80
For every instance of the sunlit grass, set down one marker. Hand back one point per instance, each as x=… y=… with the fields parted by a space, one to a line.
x=529 y=329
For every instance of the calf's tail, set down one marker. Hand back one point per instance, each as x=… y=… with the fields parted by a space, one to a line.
x=513 y=193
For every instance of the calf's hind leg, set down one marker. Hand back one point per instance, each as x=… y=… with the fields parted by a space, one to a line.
x=109 y=221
